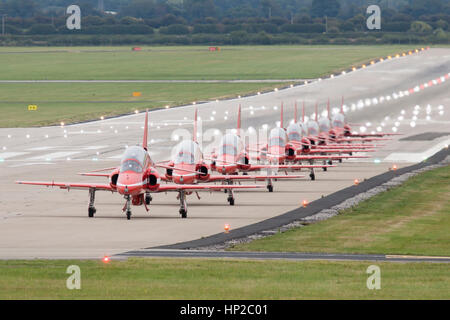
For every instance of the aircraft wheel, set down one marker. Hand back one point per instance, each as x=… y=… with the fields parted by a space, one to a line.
x=324 y=168
x=270 y=188
x=128 y=215
x=231 y=201
x=148 y=200
x=312 y=176
x=91 y=211
x=183 y=213
x=340 y=160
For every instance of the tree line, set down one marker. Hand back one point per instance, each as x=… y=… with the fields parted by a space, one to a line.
x=269 y=21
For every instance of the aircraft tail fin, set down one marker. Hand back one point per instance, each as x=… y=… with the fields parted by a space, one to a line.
x=281 y=118
x=295 y=112
x=303 y=112
x=239 y=121
x=316 y=110
x=194 y=137
x=145 y=140
x=328 y=109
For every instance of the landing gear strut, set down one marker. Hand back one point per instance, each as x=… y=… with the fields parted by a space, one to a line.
x=127 y=206
x=324 y=163
x=230 y=198
x=148 y=198
x=91 y=209
x=269 y=185
x=312 y=175
x=183 y=205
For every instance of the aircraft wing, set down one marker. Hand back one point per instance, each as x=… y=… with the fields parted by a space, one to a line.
x=343 y=150
x=251 y=177
x=256 y=167
x=69 y=185
x=332 y=157
x=201 y=187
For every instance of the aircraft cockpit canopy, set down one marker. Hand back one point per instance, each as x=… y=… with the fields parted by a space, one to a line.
x=133 y=159
x=229 y=145
x=338 y=120
x=324 y=125
x=185 y=153
x=294 y=132
x=277 y=137
x=313 y=128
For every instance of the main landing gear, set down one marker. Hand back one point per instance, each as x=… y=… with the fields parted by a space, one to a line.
x=312 y=175
x=183 y=204
x=230 y=198
x=91 y=209
x=269 y=185
x=148 y=198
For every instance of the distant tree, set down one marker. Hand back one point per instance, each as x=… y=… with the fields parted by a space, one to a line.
x=347 y=26
x=322 y=8
x=199 y=9
x=174 y=29
x=20 y=8
x=42 y=29
x=442 y=24
x=421 y=27
x=170 y=18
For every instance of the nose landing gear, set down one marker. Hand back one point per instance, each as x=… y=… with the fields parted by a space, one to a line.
x=127 y=206
x=91 y=209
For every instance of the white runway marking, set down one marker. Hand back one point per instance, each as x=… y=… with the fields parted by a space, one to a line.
x=54 y=155
x=7 y=155
x=30 y=164
x=67 y=147
x=416 y=156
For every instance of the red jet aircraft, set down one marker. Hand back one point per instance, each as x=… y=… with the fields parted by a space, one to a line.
x=135 y=179
x=190 y=167
x=232 y=157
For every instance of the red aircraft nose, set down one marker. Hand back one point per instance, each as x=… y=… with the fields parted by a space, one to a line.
x=184 y=177
x=129 y=183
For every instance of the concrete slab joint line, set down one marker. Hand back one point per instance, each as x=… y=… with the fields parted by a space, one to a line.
x=318 y=210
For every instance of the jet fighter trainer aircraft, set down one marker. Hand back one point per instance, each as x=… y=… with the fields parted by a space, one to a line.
x=189 y=167
x=233 y=157
x=135 y=179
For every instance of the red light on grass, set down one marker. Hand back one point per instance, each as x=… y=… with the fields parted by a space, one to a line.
x=106 y=259
x=226 y=228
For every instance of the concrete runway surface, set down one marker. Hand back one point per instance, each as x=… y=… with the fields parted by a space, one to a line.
x=39 y=222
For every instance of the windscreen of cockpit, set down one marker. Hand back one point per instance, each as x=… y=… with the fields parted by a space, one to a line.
x=277 y=137
x=294 y=132
x=338 y=120
x=324 y=125
x=133 y=159
x=313 y=128
x=185 y=153
x=228 y=145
